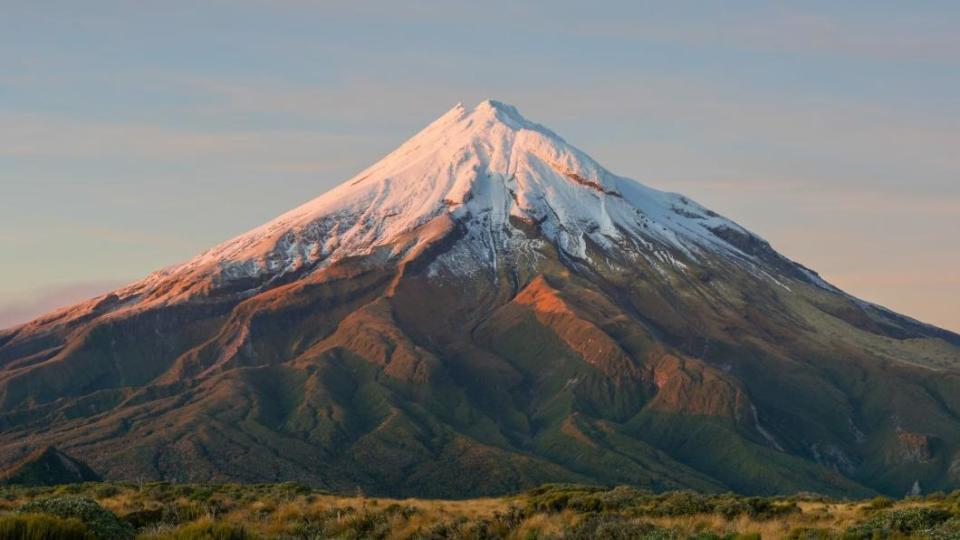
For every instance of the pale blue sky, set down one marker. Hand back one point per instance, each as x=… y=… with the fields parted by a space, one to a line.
x=135 y=134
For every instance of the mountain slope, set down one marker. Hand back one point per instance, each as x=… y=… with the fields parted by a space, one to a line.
x=485 y=309
x=48 y=467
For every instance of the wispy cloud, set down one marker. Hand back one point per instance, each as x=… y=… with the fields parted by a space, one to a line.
x=49 y=135
x=874 y=34
x=814 y=193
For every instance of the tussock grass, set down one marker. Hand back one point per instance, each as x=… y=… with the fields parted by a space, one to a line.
x=162 y=511
x=42 y=527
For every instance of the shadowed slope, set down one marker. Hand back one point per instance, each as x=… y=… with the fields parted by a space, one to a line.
x=48 y=467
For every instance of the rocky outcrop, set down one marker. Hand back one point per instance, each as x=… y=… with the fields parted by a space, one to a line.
x=912 y=448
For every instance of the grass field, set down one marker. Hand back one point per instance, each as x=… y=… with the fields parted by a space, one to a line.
x=171 y=511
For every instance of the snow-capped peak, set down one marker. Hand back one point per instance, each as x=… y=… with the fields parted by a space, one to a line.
x=487 y=168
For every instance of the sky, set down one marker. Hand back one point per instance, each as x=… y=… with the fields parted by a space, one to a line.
x=135 y=134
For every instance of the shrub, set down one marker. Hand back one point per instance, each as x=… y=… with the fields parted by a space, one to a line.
x=306 y=529
x=200 y=494
x=139 y=519
x=761 y=509
x=614 y=527
x=617 y=499
x=879 y=503
x=510 y=519
x=177 y=513
x=43 y=527
x=104 y=491
x=291 y=489
x=758 y=508
x=730 y=507
x=202 y=530
x=156 y=491
x=948 y=530
x=917 y=521
x=557 y=497
x=809 y=533
x=460 y=528
x=361 y=525
x=100 y=521
x=71 y=489
x=682 y=503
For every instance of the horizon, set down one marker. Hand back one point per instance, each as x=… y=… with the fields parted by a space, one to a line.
x=166 y=130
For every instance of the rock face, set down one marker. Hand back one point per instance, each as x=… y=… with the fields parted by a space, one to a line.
x=914 y=447
x=48 y=467
x=485 y=309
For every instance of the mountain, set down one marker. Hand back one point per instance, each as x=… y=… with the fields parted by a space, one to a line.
x=483 y=310
x=48 y=467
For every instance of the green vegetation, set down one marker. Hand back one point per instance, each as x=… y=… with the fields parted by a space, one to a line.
x=921 y=522
x=201 y=530
x=290 y=511
x=101 y=522
x=43 y=527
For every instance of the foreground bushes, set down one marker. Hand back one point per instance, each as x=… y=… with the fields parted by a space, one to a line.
x=100 y=522
x=204 y=530
x=164 y=511
x=615 y=527
x=920 y=522
x=42 y=527
x=556 y=498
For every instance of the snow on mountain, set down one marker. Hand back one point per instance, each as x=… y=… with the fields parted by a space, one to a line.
x=492 y=174
x=488 y=168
